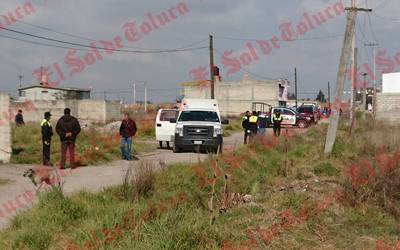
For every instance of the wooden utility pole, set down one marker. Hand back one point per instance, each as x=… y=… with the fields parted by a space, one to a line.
x=344 y=58
x=353 y=90
x=212 y=75
x=295 y=85
x=353 y=87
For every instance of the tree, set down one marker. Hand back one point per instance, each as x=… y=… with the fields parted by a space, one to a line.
x=321 y=97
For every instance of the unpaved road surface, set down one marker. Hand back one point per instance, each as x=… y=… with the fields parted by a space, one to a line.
x=18 y=193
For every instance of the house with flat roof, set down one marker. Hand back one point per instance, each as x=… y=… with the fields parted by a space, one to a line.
x=48 y=93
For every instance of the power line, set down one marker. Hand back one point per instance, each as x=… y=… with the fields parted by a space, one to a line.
x=101 y=48
x=96 y=40
x=370 y=25
x=41 y=44
x=279 y=40
x=395 y=19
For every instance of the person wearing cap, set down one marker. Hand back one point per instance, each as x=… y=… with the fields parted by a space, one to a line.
x=47 y=133
x=68 y=129
x=19 y=119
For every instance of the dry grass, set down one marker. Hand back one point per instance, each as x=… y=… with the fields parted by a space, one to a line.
x=138 y=182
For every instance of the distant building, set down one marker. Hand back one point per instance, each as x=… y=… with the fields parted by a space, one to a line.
x=47 y=93
x=236 y=97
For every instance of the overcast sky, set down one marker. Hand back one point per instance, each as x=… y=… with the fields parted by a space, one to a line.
x=316 y=54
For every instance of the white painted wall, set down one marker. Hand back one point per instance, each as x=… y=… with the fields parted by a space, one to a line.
x=391 y=83
x=5 y=128
x=236 y=97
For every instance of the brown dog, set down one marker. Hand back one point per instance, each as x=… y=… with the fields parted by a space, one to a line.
x=42 y=175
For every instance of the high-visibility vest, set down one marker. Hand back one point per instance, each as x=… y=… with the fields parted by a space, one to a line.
x=276 y=118
x=45 y=122
x=253 y=119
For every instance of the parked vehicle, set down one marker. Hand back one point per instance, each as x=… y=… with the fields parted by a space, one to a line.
x=291 y=118
x=164 y=128
x=311 y=111
x=198 y=126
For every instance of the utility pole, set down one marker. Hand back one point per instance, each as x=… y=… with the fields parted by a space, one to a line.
x=295 y=84
x=145 y=96
x=329 y=95
x=373 y=45
x=212 y=75
x=344 y=58
x=134 y=95
x=353 y=85
x=20 y=81
x=353 y=90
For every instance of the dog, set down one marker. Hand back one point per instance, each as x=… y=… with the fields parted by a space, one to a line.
x=43 y=175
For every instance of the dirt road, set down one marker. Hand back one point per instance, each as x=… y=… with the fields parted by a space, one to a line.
x=18 y=193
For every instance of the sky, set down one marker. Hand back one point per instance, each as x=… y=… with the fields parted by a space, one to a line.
x=235 y=25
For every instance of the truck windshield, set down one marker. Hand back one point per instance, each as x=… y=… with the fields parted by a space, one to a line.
x=199 y=116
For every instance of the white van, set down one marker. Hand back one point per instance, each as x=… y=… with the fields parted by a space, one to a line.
x=198 y=126
x=164 y=128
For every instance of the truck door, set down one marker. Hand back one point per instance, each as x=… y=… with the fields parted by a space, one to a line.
x=289 y=117
x=164 y=128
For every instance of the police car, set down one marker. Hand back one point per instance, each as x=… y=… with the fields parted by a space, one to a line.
x=291 y=118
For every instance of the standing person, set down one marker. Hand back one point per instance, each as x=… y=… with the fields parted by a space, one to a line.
x=253 y=121
x=47 y=133
x=246 y=126
x=262 y=124
x=19 y=118
x=68 y=129
x=277 y=120
x=127 y=130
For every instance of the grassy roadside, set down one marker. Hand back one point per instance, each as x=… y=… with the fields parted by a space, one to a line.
x=300 y=197
x=92 y=147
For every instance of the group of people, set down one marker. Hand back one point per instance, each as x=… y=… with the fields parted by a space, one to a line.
x=256 y=123
x=68 y=129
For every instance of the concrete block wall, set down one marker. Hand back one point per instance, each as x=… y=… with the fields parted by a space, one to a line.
x=235 y=98
x=5 y=128
x=113 y=111
x=388 y=107
x=87 y=111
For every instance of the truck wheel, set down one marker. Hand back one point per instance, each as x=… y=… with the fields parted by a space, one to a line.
x=301 y=124
x=176 y=149
x=160 y=142
x=168 y=145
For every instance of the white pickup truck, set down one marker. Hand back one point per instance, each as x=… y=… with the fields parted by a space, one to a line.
x=198 y=126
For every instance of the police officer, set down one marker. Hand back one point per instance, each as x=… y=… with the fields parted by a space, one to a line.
x=253 y=125
x=47 y=133
x=246 y=126
x=277 y=120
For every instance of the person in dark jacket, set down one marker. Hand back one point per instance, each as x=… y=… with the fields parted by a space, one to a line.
x=68 y=129
x=262 y=123
x=246 y=126
x=47 y=133
x=127 y=130
x=19 y=119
